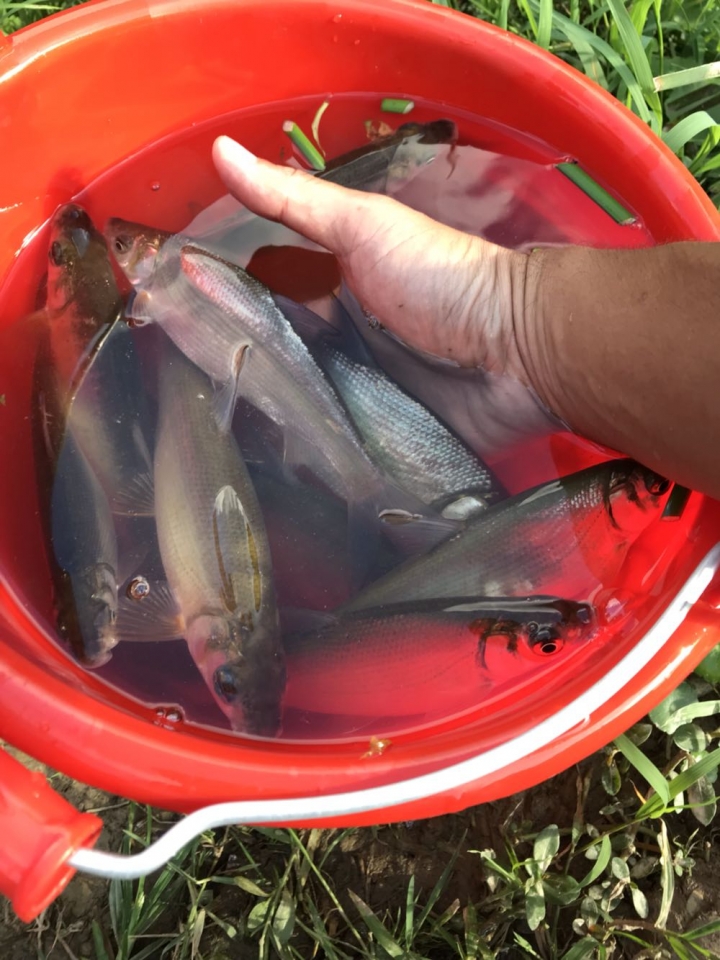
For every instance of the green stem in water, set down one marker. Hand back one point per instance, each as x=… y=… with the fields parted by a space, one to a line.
x=396 y=105
x=583 y=180
x=305 y=148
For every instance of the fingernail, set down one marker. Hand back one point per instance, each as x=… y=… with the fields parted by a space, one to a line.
x=229 y=151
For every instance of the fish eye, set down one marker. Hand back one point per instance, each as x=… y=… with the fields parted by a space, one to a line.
x=656 y=485
x=226 y=685
x=57 y=254
x=532 y=628
x=548 y=646
x=584 y=614
x=122 y=243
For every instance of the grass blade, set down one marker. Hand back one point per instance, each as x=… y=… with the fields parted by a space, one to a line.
x=376 y=927
x=635 y=53
x=684 y=78
x=577 y=34
x=704 y=931
x=602 y=861
x=667 y=876
x=545 y=24
x=687 y=129
x=644 y=767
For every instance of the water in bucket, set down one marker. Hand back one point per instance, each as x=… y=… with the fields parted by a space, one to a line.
x=385 y=628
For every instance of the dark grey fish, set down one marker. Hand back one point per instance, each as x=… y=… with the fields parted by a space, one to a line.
x=96 y=367
x=385 y=164
x=561 y=538
x=85 y=548
x=397 y=660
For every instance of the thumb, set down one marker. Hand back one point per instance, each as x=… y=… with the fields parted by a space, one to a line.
x=321 y=211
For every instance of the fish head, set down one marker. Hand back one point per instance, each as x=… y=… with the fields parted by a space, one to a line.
x=541 y=626
x=79 y=269
x=135 y=247
x=89 y=620
x=82 y=296
x=635 y=495
x=244 y=668
x=560 y=623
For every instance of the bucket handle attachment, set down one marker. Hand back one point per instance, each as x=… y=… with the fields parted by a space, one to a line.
x=390 y=795
x=40 y=833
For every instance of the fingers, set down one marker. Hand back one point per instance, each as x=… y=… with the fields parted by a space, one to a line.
x=321 y=211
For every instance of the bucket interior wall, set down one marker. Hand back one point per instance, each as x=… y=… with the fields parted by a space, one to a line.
x=73 y=113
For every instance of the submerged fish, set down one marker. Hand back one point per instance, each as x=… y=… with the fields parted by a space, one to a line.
x=383 y=165
x=411 y=657
x=560 y=538
x=85 y=548
x=228 y=323
x=401 y=434
x=135 y=247
x=86 y=455
x=82 y=297
x=216 y=557
x=96 y=370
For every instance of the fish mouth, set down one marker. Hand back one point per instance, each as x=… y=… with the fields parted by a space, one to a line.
x=70 y=217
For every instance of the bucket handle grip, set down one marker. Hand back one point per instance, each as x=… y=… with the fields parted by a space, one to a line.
x=390 y=795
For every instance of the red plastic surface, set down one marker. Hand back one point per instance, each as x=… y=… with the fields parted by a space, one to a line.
x=89 y=87
x=40 y=832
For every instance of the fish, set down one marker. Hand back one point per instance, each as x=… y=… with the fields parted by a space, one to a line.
x=85 y=548
x=401 y=434
x=219 y=595
x=410 y=658
x=83 y=300
x=84 y=454
x=385 y=164
x=228 y=324
x=560 y=538
x=96 y=369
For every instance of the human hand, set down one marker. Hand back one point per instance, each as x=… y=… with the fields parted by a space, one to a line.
x=443 y=292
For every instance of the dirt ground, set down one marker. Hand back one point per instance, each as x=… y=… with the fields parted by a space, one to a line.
x=375 y=863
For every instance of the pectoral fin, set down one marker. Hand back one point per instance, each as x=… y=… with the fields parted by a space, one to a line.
x=225 y=397
x=154 y=617
x=236 y=551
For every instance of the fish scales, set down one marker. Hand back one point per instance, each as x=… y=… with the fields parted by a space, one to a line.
x=399 y=432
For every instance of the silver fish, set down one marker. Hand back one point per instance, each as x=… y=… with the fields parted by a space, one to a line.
x=228 y=323
x=215 y=553
x=401 y=434
x=407 y=658
x=85 y=548
x=561 y=538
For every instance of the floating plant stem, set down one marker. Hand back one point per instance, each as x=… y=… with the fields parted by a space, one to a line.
x=306 y=149
x=676 y=503
x=583 y=180
x=397 y=105
x=315 y=128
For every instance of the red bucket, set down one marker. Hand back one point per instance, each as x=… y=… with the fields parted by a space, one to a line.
x=80 y=92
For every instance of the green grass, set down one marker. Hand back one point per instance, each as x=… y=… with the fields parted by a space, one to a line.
x=593 y=877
